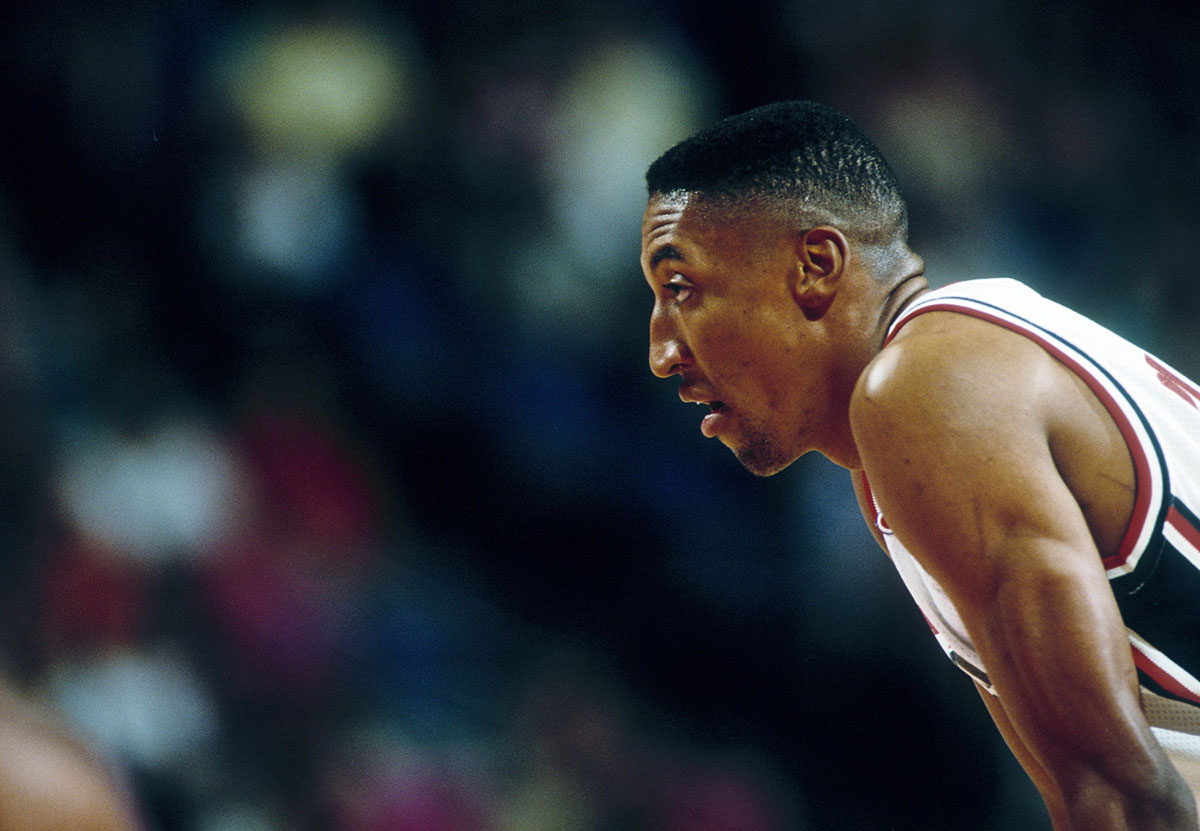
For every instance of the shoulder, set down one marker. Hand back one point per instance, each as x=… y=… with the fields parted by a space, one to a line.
x=951 y=371
x=953 y=423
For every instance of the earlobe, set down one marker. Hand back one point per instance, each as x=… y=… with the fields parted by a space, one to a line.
x=820 y=261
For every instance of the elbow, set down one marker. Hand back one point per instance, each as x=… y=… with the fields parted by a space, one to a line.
x=1156 y=797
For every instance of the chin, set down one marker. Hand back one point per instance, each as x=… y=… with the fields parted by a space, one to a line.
x=762 y=461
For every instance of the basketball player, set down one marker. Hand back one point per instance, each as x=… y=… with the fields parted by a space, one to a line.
x=1034 y=478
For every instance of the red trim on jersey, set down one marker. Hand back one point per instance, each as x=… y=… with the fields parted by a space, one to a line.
x=880 y=520
x=1161 y=676
x=881 y=524
x=1180 y=523
x=1141 y=464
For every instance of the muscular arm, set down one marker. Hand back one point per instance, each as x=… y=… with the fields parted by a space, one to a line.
x=1033 y=768
x=953 y=426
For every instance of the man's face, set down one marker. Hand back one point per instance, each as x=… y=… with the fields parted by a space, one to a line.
x=726 y=321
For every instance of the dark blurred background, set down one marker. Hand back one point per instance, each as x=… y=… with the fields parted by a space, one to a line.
x=336 y=491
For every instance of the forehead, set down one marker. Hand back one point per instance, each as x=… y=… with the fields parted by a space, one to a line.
x=664 y=213
x=683 y=225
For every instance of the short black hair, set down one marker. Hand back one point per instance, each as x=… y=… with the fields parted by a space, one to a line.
x=806 y=158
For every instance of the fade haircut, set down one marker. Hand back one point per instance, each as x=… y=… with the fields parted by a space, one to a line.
x=803 y=161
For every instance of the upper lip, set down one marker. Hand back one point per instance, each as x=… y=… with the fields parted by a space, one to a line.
x=691 y=396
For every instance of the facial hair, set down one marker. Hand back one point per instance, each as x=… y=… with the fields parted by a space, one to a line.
x=759 y=453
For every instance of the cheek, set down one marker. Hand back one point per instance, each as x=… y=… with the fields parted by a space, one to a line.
x=760 y=371
x=734 y=352
x=751 y=354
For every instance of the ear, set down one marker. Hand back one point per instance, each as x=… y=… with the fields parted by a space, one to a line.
x=821 y=255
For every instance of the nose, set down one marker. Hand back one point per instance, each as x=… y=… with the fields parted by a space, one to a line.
x=668 y=354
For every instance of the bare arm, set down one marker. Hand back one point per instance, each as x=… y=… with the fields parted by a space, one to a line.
x=952 y=425
x=1033 y=768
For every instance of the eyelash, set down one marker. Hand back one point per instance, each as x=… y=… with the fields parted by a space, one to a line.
x=677 y=289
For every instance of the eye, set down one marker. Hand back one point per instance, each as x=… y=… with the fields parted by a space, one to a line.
x=679 y=286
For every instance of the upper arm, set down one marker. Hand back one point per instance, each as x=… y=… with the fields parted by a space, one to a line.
x=952 y=430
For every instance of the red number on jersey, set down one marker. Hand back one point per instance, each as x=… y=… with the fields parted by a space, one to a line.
x=1175 y=384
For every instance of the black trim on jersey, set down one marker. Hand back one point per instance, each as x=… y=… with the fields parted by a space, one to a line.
x=1186 y=513
x=970 y=669
x=1165 y=611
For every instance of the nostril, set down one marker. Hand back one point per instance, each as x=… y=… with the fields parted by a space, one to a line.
x=665 y=361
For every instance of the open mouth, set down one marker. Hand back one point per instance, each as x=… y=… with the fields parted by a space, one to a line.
x=708 y=426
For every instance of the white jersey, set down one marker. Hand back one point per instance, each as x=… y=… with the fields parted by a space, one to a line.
x=1155 y=574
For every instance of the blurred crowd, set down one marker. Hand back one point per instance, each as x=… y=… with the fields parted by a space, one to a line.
x=336 y=491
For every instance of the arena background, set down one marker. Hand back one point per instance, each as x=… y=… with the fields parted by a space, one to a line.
x=336 y=491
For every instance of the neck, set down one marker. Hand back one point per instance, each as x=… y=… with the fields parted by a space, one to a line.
x=897 y=300
x=842 y=450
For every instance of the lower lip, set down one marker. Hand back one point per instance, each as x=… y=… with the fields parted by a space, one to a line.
x=711 y=422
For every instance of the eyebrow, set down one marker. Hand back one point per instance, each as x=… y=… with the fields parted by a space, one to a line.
x=667 y=252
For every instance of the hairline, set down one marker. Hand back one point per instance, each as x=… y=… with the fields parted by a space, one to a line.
x=786 y=211
x=884 y=249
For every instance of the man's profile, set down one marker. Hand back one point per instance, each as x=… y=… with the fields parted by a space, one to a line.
x=1034 y=477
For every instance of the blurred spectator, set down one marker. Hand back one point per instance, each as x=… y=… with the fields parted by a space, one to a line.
x=381 y=785
x=311 y=99
x=174 y=491
x=587 y=762
x=145 y=706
